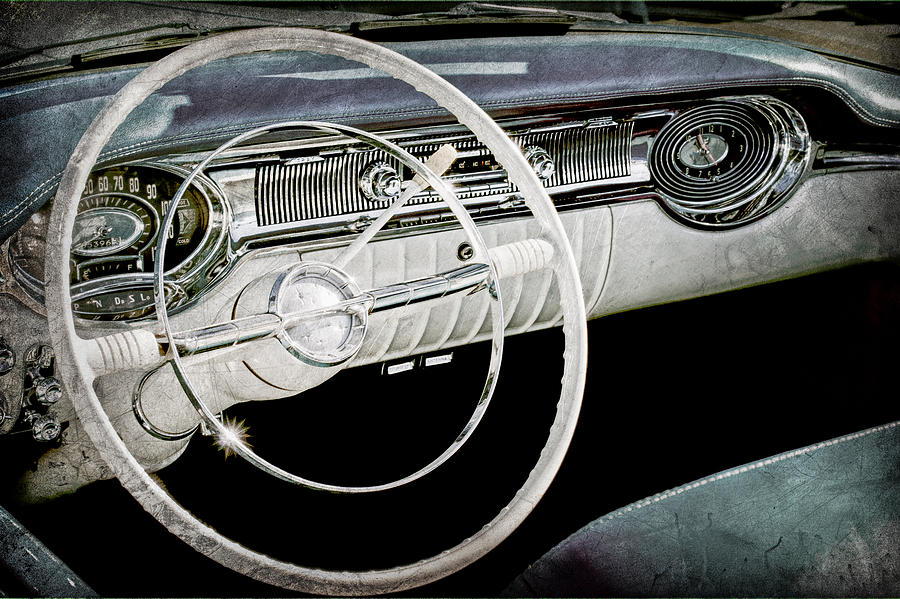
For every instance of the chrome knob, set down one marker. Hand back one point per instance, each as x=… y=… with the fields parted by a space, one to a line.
x=40 y=356
x=45 y=428
x=541 y=162
x=380 y=182
x=7 y=357
x=47 y=390
x=4 y=409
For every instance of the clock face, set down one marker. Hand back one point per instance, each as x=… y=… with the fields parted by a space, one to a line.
x=710 y=151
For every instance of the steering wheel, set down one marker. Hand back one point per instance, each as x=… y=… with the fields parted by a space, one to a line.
x=78 y=364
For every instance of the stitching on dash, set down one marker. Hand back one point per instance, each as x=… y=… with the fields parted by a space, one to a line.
x=741 y=470
x=19 y=207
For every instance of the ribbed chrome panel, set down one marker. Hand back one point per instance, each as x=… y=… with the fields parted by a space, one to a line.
x=586 y=154
x=328 y=185
x=320 y=187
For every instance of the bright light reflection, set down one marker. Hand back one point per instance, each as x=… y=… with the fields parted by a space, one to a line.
x=233 y=434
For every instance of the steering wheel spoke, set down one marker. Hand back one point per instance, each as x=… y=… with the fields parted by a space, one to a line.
x=509 y=260
x=438 y=163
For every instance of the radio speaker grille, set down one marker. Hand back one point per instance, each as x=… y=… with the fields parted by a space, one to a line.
x=326 y=186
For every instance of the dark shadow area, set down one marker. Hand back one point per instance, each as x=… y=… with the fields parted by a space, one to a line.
x=674 y=393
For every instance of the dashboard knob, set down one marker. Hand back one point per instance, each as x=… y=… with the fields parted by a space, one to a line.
x=380 y=182
x=47 y=390
x=45 y=428
x=541 y=161
x=7 y=357
x=39 y=356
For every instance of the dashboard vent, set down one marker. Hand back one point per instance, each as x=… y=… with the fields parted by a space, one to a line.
x=327 y=184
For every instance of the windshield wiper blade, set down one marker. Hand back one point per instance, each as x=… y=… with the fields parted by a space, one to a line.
x=504 y=9
x=478 y=19
x=14 y=57
x=458 y=21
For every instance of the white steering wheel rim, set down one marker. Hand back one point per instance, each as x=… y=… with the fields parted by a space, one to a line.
x=78 y=377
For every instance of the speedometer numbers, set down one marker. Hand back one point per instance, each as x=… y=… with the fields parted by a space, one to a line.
x=116 y=232
x=118 y=221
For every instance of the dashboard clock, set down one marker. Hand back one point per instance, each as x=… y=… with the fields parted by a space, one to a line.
x=724 y=163
x=710 y=151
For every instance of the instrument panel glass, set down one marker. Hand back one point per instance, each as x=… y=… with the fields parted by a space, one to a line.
x=119 y=216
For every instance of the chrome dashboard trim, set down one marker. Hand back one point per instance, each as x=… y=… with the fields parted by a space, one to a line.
x=837 y=161
x=604 y=160
x=326 y=184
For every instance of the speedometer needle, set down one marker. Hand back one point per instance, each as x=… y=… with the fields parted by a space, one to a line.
x=705 y=149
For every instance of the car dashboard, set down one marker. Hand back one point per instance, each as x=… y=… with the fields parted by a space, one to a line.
x=682 y=164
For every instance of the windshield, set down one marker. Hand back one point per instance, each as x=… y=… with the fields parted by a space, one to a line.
x=68 y=32
x=864 y=30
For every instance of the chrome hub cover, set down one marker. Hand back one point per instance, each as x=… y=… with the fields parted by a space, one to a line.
x=331 y=337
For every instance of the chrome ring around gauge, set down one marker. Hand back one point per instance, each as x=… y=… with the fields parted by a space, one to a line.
x=118 y=221
x=685 y=167
x=355 y=331
x=731 y=162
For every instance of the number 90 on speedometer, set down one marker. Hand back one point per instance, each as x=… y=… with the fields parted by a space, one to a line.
x=119 y=215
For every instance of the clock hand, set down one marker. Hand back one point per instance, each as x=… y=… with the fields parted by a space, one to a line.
x=705 y=149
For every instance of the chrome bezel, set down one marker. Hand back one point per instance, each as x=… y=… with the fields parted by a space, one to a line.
x=368 y=181
x=219 y=213
x=341 y=282
x=787 y=162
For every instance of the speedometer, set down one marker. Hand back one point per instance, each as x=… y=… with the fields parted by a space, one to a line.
x=109 y=224
x=114 y=240
x=117 y=225
x=116 y=232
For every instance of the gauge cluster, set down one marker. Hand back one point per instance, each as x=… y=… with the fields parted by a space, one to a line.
x=119 y=215
x=115 y=237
